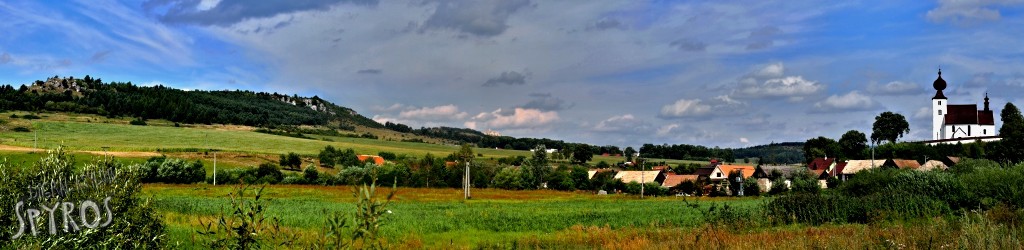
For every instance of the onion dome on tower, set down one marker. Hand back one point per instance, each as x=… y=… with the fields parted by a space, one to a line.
x=939 y=85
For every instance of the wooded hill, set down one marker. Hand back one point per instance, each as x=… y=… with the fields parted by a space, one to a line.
x=119 y=99
x=282 y=113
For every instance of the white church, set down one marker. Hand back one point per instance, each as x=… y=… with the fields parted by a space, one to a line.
x=963 y=123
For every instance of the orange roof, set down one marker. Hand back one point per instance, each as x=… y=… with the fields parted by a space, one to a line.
x=747 y=171
x=674 y=180
x=376 y=159
x=659 y=168
x=902 y=164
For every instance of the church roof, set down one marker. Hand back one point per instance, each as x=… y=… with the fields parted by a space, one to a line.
x=962 y=114
x=985 y=117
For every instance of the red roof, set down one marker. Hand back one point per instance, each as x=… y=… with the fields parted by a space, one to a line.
x=985 y=117
x=839 y=168
x=747 y=171
x=962 y=114
x=674 y=180
x=376 y=159
x=820 y=163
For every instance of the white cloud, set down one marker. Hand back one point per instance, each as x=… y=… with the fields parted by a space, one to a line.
x=770 y=82
x=696 y=108
x=968 y=11
x=744 y=140
x=444 y=112
x=685 y=108
x=853 y=101
x=623 y=123
x=894 y=88
x=519 y=118
x=665 y=130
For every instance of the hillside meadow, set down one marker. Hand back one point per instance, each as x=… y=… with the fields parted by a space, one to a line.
x=91 y=133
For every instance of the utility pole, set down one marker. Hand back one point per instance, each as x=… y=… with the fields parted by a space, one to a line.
x=214 y=168
x=642 y=181
x=465 y=182
x=35 y=140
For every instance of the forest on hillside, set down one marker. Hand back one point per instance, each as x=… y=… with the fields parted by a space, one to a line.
x=119 y=99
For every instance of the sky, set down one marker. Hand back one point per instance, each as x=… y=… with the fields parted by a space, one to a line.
x=624 y=73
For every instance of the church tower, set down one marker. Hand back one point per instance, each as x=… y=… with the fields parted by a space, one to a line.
x=939 y=110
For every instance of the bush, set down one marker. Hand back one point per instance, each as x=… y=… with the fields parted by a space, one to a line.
x=162 y=169
x=21 y=129
x=139 y=122
x=387 y=155
x=310 y=175
x=509 y=178
x=268 y=173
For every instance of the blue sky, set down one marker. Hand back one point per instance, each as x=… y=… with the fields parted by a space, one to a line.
x=715 y=73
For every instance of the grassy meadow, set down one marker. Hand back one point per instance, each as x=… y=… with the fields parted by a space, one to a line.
x=439 y=218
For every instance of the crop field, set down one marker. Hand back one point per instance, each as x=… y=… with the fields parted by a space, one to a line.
x=121 y=137
x=439 y=217
x=87 y=133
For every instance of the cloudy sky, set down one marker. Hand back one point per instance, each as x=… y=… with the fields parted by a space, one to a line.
x=715 y=73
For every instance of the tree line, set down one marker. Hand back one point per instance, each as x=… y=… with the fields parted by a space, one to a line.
x=120 y=99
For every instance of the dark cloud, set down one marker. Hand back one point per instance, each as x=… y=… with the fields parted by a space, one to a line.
x=480 y=18
x=546 y=102
x=507 y=78
x=99 y=56
x=688 y=45
x=5 y=58
x=370 y=71
x=229 y=12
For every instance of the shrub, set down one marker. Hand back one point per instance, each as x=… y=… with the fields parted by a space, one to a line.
x=290 y=160
x=139 y=122
x=311 y=175
x=387 y=155
x=509 y=178
x=268 y=173
x=21 y=129
x=162 y=169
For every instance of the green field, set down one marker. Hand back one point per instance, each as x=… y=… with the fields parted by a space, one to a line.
x=93 y=136
x=121 y=137
x=439 y=216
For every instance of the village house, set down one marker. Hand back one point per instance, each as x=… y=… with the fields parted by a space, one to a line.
x=901 y=164
x=766 y=173
x=673 y=180
x=933 y=165
x=376 y=160
x=854 y=166
x=640 y=176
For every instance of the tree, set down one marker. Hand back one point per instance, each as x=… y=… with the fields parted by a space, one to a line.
x=290 y=160
x=629 y=153
x=581 y=154
x=889 y=126
x=852 y=144
x=1012 y=133
x=465 y=153
x=540 y=156
x=820 y=147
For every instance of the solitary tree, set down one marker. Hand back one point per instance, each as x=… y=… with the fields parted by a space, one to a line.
x=1012 y=133
x=820 y=147
x=852 y=144
x=889 y=126
x=581 y=154
x=290 y=160
x=629 y=153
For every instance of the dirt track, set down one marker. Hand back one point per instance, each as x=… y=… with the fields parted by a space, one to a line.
x=111 y=153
